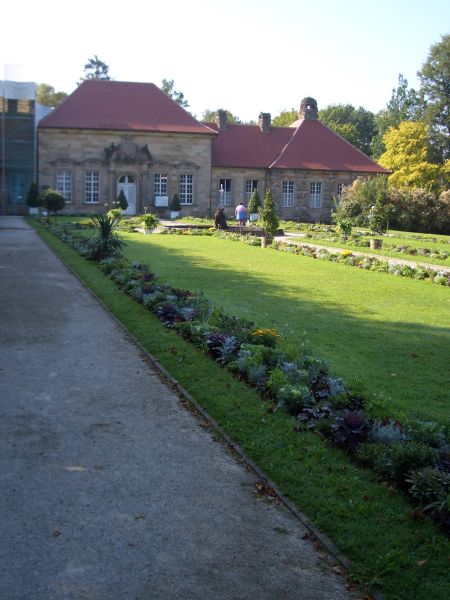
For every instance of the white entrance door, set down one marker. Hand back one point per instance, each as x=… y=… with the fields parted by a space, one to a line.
x=127 y=185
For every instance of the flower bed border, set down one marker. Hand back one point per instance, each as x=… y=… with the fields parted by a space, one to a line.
x=311 y=400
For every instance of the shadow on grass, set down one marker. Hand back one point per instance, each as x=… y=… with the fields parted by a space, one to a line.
x=405 y=361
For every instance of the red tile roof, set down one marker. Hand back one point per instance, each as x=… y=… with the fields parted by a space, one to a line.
x=307 y=145
x=247 y=146
x=314 y=146
x=122 y=105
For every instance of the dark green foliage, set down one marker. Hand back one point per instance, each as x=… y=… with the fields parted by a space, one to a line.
x=370 y=453
x=235 y=326
x=105 y=243
x=33 y=196
x=268 y=215
x=122 y=201
x=401 y=458
x=175 y=205
x=168 y=87
x=96 y=69
x=435 y=89
x=420 y=210
x=431 y=488
x=255 y=203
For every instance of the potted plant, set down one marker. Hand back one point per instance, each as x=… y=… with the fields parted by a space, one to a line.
x=269 y=219
x=378 y=223
x=253 y=206
x=175 y=207
x=52 y=200
x=33 y=199
x=149 y=222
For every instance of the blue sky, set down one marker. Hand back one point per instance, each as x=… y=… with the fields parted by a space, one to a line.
x=244 y=55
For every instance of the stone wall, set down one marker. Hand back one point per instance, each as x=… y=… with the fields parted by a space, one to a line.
x=114 y=154
x=301 y=209
x=238 y=179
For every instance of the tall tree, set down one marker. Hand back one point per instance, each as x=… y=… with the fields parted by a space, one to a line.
x=96 y=69
x=168 y=87
x=357 y=125
x=46 y=95
x=209 y=116
x=407 y=156
x=435 y=87
x=405 y=105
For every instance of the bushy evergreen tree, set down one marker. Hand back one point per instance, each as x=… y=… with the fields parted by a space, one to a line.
x=122 y=201
x=268 y=215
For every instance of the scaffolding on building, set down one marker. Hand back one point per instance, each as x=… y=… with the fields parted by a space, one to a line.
x=18 y=144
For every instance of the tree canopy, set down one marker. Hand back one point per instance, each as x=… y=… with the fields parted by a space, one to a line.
x=96 y=69
x=356 y=125
x=407 y=155
x=209 y=116
x=168 y=87
x=285 y=118
x=435 y=89
x=405 y=105
x=46 y=95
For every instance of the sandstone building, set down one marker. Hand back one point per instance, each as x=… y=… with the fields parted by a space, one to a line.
x=109 y=136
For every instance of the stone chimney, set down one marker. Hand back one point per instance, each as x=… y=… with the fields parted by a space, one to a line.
x=308 y=109
x=221 y=119
x=264 y=122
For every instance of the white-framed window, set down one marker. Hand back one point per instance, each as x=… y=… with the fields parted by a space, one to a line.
x=160 y=184
x=186 y=188
x=250 y=186
x=91 y=187
x=64 y=184
x=287 y=198
x=315 y=194
x=339 y=190
x=225 y=192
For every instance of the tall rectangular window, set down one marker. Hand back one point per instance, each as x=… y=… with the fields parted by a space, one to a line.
x=186 y=188
x=64 y=184
x=315 y=194
x=339 y=190
x=287 y=199
x=160 y=184
x=91 y=187
x=250 y=186
x=225 y=192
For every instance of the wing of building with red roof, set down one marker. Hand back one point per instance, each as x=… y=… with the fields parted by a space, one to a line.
x=122 y=106
x=314 y=146
x=308 y=144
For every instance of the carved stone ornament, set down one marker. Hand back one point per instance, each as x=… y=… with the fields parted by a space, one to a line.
x=127 y=152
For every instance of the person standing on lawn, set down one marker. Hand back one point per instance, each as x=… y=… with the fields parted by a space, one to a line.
x=241 y=214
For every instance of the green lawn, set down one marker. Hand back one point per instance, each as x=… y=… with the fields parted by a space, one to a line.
x=371 y=524
x=392 y=332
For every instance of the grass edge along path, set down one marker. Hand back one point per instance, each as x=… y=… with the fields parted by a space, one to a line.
x=371 y=524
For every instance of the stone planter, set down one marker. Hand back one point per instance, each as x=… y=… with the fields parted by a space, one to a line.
x=253 y=217
x=174 y=214
x=147 y=231
x=266 y=241
x=375 y=244
x=33 y=210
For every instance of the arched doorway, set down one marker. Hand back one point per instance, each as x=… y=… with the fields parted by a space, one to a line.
x=128 y=186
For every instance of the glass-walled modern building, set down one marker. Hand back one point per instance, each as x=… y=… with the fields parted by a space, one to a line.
x=17 y=145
